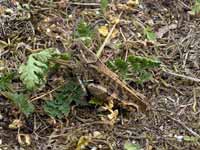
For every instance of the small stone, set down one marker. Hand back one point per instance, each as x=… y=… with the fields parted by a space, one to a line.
x=1 y=116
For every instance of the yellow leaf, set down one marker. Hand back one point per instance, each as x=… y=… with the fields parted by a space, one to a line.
x=82 y=142
x=133 y=3
x=113 y=116
x=16 y=124
x=114 y=34
x=24 y=139
x=103 y=30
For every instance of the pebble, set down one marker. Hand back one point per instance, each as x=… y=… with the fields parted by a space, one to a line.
x=1 y=116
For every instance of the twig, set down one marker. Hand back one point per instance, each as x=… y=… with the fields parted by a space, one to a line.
x=39 y=97
x=187 y=128
x=182 y=76
x=108 y=37
x=195 y=100
x=84 y=4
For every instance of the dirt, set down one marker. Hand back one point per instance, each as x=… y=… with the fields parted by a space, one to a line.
x=172 y=123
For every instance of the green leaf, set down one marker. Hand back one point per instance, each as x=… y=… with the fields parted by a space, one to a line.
x=150 y=35
x=140 y=63
x=119 y=65
x=60 y=106
x=5 y=81
x=104 y=5
x=33 y=72
x=144 y=76
x=64 y=56
x=84 y=32
x=96 y=101
x=21 y=101
x=131 y=146
x=196 y=7
x=136 y=66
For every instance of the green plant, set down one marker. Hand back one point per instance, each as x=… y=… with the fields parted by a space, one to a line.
x=134 y=66
x=196 y=7
x=120 y=66
x=5 y=81
x=84 y=32
x=60 y=106
x=104 y=5
x=34 y=71
x=150 y=35
x=131 y=146
x=21 y=101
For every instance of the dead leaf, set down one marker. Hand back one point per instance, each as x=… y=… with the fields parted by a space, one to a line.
x=97 y=134
x=24 y=139
x=113 y=116
x=2 y=65
x=133 y=3
x=16 y=124
x=83 y=141
x=165 y=29
x=115 y=33
x=103 y=30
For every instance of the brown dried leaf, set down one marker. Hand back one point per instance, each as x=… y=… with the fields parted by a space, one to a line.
x=165 y=29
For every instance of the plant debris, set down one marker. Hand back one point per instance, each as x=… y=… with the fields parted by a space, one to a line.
x=152 y=45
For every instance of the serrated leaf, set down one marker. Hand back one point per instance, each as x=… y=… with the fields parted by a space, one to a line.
x=84 y=32
x=141 y=63
x=33 y=72
x=21 y=101
x=120 y=66
x=5 y=81
x=60 y=106
x=144 y=76
x=136 y=66
x=57 y=110
x=131 y=146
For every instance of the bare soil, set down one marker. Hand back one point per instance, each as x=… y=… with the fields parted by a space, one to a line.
x=173 y=93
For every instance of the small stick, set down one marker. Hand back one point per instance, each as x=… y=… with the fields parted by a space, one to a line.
x=47 y=93
x=182 y=76
x=187 y=128
x=108 y=37
x=84 y=4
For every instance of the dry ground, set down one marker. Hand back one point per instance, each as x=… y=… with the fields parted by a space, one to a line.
x=173 y=93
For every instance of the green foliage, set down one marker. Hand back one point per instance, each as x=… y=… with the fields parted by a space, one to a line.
x=196 y=7
x=34 y=71
x=150 y=35
x=135 y=65
x=60 y=106
x=96 y=101
x=104 y=5
x=119 y=65
x=21 y=101
x=131 y=146
x=141 y=63
x=84 y=32
x=5 y=81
